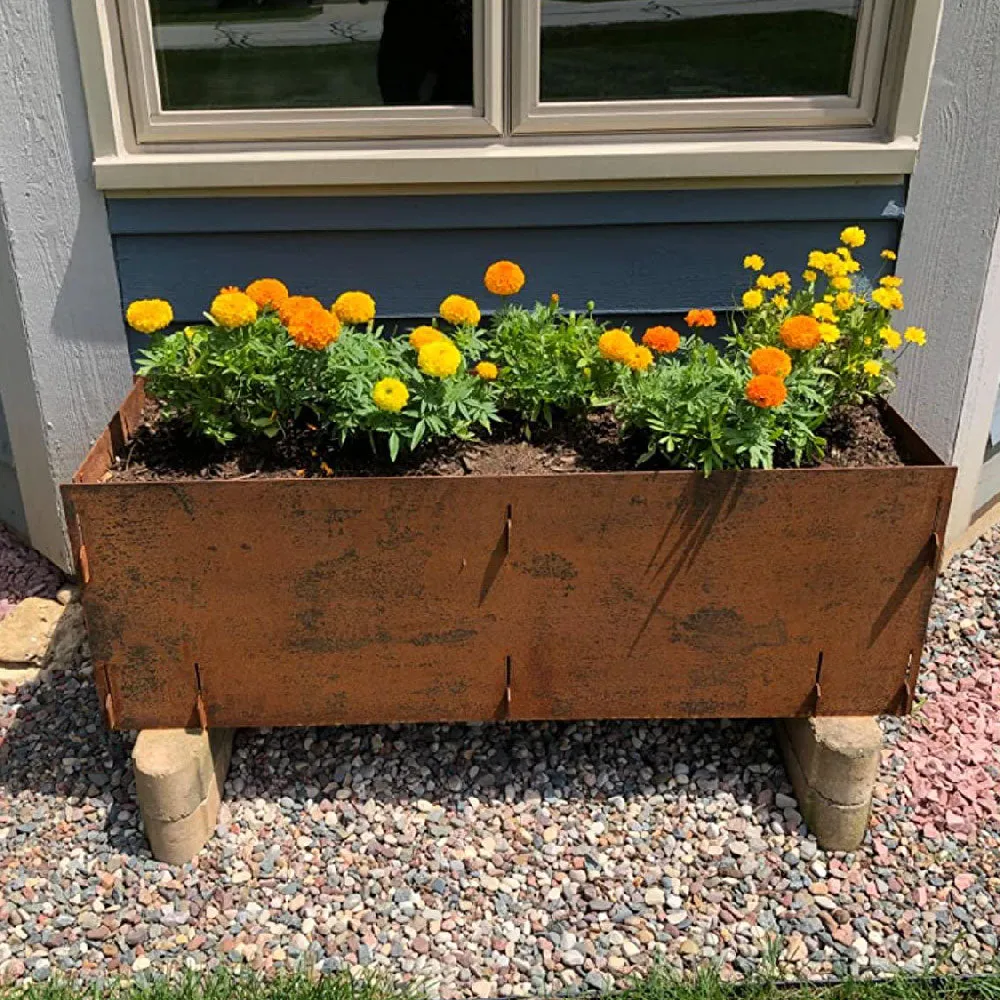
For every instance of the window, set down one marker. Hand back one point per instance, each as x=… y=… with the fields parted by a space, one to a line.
x=500 y=91
x=645 y=65
x=282 y=69
x=271 y=69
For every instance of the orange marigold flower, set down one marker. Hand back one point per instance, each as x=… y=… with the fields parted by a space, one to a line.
x=314 y=328
x=554 y=299
x=355 y=308
x=149 y=315
x=766 y=391
x=295 y=304
x=504 y=278
x=423 y=335
x=268 y=293
x=700 y=317
x=616 y=345
x=663 y=339
x=459 y=311
x=801 y=333
x=640 y=359
x=486 y=370
x=770 y=361
x=232 y=309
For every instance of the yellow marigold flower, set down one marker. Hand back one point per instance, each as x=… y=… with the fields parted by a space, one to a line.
x=824 y=311
x=780 y=301
x=891 y=281
x=891 y=337
x=554 y=299
x=662 y=339
x=268 y=293
x=616 y=345
x=640 y=359
x=459 y=311
x=873 y=367
x=753 y=262
x=314 y=328
x=834 y=267
x=841 y=283
x=390 y=395
x=770 y=361
x=504 y=278
x=440 y=358
x=853 y=236
x=295 y=304
x=844 y=301
x=802 y=333
x=888 y=298
x=829 y=332
x=233 y=309
x=888 y=254
x=916 y=335
x=700 y=317
x=354 y=308
x=486 y=370
x=422 y=335
x=752 y=299
x=782 y=280
x=766 y=391
x=817 y=258
x=809 y=275
x=765 y=282
x=149 y=315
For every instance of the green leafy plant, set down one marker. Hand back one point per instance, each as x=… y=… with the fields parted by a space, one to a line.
x=548 y=361
x=694 y=413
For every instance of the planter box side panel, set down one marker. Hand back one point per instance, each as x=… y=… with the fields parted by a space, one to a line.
x=745 y=594
x=295 y=602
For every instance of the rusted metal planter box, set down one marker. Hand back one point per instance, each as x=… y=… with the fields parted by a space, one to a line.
x=291 y=602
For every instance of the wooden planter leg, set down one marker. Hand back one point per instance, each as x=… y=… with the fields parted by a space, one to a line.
x=833 y=765
x=179 y=777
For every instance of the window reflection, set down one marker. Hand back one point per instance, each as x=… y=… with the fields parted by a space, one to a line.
x=613 y=50
x=305 y=54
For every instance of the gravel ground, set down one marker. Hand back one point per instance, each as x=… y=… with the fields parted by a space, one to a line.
x=23 y=573
x=512 y=860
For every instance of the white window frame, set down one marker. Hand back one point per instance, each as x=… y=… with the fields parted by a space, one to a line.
x=529 y=115
x=154 y=124
x=140 y=149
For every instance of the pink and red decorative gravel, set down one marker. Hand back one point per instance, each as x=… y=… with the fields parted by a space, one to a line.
x=950 y=749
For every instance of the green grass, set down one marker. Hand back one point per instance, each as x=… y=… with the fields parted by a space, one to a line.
x=294 y=76
x=740 y=56
x=657 y=985
x=746 y=55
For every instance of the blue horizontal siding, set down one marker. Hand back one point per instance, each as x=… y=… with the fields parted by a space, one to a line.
x=635 y=252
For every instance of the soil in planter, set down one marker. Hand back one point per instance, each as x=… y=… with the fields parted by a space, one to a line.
x=164 y=450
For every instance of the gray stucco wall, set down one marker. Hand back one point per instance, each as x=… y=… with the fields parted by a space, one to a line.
x=11 y=509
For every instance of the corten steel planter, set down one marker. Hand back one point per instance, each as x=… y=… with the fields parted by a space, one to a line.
x=596 y=595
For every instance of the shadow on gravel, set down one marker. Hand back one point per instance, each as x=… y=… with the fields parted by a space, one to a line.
x=448 y=764
x=56 y=746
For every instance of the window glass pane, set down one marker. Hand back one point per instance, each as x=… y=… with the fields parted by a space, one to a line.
x=615 y=50
x=218 y=54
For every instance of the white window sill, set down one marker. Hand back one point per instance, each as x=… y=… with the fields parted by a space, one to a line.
x=453 y=168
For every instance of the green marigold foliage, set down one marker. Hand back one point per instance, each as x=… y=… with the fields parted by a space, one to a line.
x=760 y=393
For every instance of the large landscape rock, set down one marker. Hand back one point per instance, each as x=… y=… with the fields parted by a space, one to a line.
x=36 y=635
